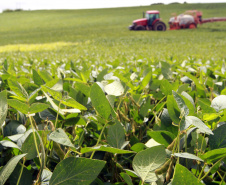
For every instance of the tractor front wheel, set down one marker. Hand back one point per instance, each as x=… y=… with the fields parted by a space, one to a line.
x=192 y=26
x=159 y=26
x=140 y=28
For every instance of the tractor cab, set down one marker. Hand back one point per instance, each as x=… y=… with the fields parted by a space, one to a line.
x=152 y=16
x=150 y=21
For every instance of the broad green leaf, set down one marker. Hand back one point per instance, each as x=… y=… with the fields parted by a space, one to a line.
x=72 y=103
x=3 y=107
x=181 y=104
x=214 y=155
x=145 y=107
x=218 y=140
x=195 y=80
x=76 y=171
x=166 y=87
x=37 y=107
x=205 y=106
x=192 y=120
x=138 y=147
x=59 y=136
x=186 y=95
x=173 y=110
x=145 y=162
x=55 y=94
x=187 y=156
x=14 y=127
x=45 y=177
x=45 y=76
x=162 y=137
x=9 y=144
x=210 y=116
x=101 y=75
x=99 y=101
x=105 y=148
x=165 y=68
x=17 y=88
x=33 y=95
x=22 y=107
x=26 y=177
x=116 y=135
x=126 y=178
x=36 y=77
x=29 y=146
x=83 y=88
x=8 y=168
x=146 y=79
x=183 y=176
x=115 y=88
x=219 y=103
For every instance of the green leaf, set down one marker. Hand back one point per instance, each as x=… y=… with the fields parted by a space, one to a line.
x=192 y=120
x=14 y=127
x=72 y=103
x=162 y=137
x=55 y=94
x=126 y=178
x=214 y=155
x=3 y=107
x=29 y=146
x=45 y=177
x=59 y=136
x=173 y=109
x=8 y=168
x=145 y=162
x=183 y=176
x=38 y=107
x=210 y=116
x=83 y=88
x=205 y=106
x=146 y=79
x=17 y=88
x=26 y=177
x=36 y=77
x=195 y=80
x=181 y=104
x=166 y=87
x=76 y=171
x=22 y=107
x=218 y=140
x=138 y=147
x=187 y=156
x=105 y=148
x=116 y=135
x=145 y=107
x=99 y=101
x=9 y=144
x=45 y=76
x=219 y=103
x=165 y=68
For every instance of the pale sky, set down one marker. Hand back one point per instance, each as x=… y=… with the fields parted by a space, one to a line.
x=85 y=4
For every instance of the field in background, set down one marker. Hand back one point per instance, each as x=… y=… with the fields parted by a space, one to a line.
x=102 y=34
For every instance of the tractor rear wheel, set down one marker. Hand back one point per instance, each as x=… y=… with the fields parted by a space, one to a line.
x=159 y=26
x=139 y=28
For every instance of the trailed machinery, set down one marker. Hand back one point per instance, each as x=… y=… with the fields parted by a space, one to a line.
x=190 y=19
x=151 y=21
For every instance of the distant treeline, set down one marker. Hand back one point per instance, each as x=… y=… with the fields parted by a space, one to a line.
x=11 y=10
x=169 y=3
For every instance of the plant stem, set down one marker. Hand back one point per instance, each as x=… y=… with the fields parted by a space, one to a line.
x=212 y=168
x=99 y=138
x=35 y=139
x=203 y=168
x=57 y=115
x=21 y=171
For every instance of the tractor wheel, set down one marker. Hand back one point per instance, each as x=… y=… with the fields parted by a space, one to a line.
x=159 y=26
x=192 y=26
x=140 y=28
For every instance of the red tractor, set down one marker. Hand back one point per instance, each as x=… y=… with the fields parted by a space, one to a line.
x=151 y=21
